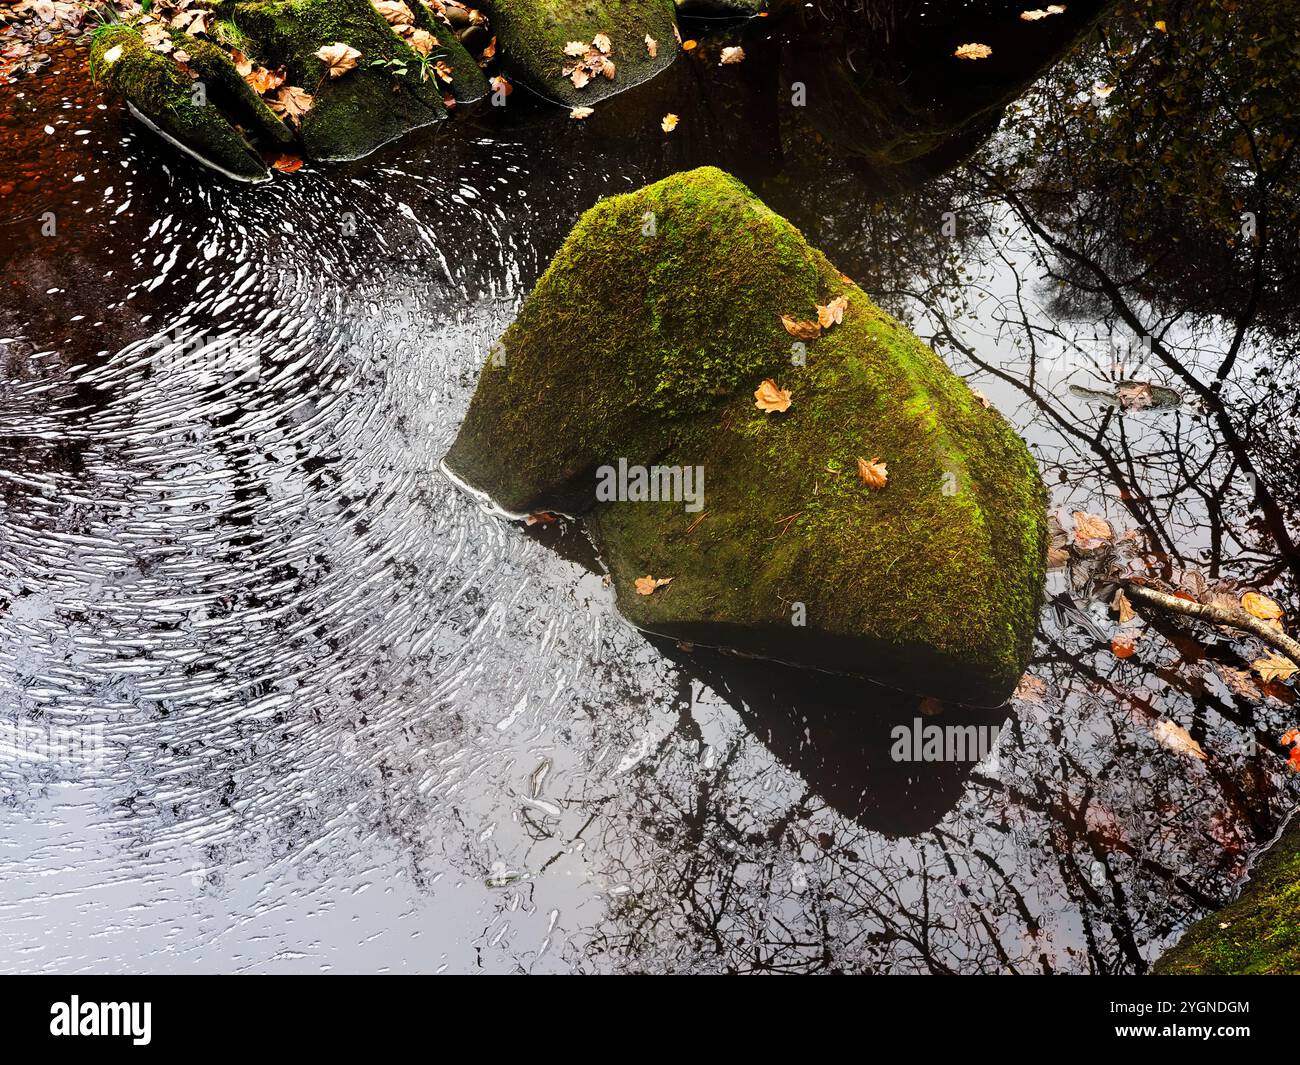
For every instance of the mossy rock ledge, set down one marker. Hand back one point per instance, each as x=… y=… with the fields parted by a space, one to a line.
x=645 y=340
x=1259 y=933
x=532 y=35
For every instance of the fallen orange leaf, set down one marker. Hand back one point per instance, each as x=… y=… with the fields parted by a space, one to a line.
x=646 y=585
x=874 y=474
x=771 y=397
x=801 y=330
x=1261 y=606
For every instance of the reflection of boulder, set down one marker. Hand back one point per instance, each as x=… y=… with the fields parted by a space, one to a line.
x=643 y=345
x=837 y=734
x=888 y=85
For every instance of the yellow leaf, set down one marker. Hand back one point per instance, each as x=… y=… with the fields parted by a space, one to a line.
x=770 y=397
x=688 y=46
x=973 y=51
x=1274 y=667
x=874 y=474
x=1261 y=606
x=339 y=58
x=646 y=585
x=1162 y=26
x=1125 y=608
x=669 y=123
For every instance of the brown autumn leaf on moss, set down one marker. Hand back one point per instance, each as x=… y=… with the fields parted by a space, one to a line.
x=973 y=51
x=1090 y=530
x=395 y=12
x=292 y=103
x=646 y=585
x=651 y=46
x=339 y=58
x=833 y=312
x=982 y=399
x=262 y=81
x=771 y=397
x=602 y=43
x=1261 y=606
x=801 y=330
x=422 y=41
x=1274 y=667
x=874 y=474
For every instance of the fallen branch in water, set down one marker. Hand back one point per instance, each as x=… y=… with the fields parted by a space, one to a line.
x=1234 y=617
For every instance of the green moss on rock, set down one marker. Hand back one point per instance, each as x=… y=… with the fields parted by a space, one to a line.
x=646 y=339
x=468 y=82
x=387 y=95
x=1259 y=933
x=166 y=96
x=531 y=35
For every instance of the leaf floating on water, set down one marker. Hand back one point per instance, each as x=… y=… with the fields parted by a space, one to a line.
x=542 y=517
x=874 y=474
x=731 y=56
x=669 y=123
x=1240 y=683
x=1123 y=607
x=1030 y=689
x=801 y=330
x=1043 y=12
x=1124 y=645
x=929 y=707
x=1177 y=739
x=646 y=585
x=1261 y=606
x=973 y=51
x=287 y=163
x=1090 y=530
x=689 y=46
x=771 y=397
x=338 y=58
x=501 y=85
x=582 y=112
x=1275 y=667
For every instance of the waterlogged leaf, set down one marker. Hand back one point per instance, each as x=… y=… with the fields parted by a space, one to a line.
x=973 y=51
x=1123 y=607
x=1289 y=737
x=771 y=397
x=651 y=46
x=801 y=330
x=732 y=56
x=1261 y=606
x=1030 y=689
x=929 y=707
x=1090 y=530
x=287 y=163
x=647 y=585
x=1124 y=645
x=339 y=58
x=543 y=517
x=833 y=312
x=1274 y=667
x=669 y=123
x=501 y=85
x=580 y=113
x=690 y=46
x=292 y=103
x=1240 y=683
x=1174 y=737
x=874 y=474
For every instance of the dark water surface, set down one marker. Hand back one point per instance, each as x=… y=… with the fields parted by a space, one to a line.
x=351 y=722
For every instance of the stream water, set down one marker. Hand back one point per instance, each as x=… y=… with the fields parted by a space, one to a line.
x=329 y=715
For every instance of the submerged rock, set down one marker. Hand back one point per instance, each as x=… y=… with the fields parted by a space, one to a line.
x=1259 y=933
x=645 y=341
x=532 y=36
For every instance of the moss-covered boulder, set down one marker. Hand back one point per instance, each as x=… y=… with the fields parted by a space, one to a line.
x=645 y=341
x=722 y=8
x=532 y=36
x=389 y=93
x=1259 y=933
x=192 y=114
